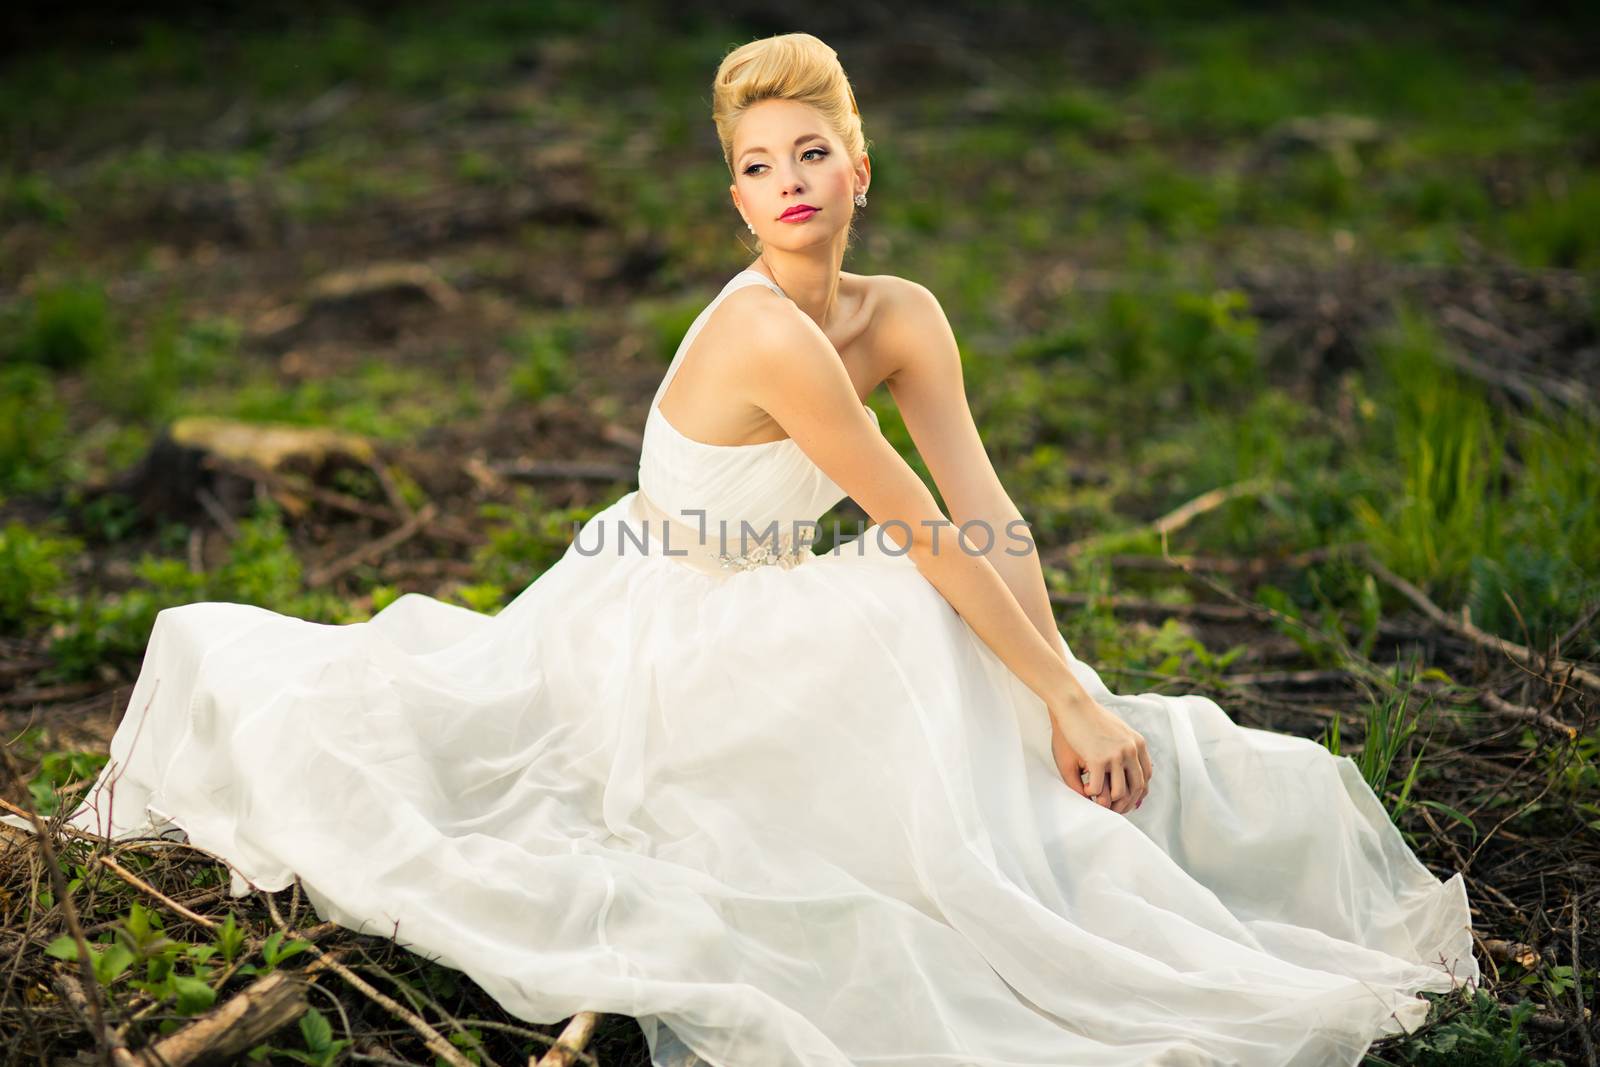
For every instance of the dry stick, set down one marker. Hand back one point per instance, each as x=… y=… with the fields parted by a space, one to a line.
x=1132 y=606
x=69 y=913
x=1249 y=610
x=430 y=1037
x=218 y=513
x=1521 y=654
x=461 y=1024
x=1528 y=384
x=1578 y=627
x=50 y=694
x=1179 y=517
x=1228 y=565
x=418 y=995
x=139 y=883
x=574 y=1037
x=1521 y=711
x=117 y=1052
x=533 y=470
x=385 y=476
x=1462 y=863
x=1577 y=988
x=440 y=528
x=373 y=549
x=236 y=1025
x=246 y=950
x=1549 y=783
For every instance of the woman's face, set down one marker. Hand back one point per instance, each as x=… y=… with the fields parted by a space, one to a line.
x=785 y=156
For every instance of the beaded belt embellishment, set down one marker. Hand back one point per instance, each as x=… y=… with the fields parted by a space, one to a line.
x=762 y=549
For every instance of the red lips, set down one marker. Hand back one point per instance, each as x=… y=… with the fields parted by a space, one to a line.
x=798 y=209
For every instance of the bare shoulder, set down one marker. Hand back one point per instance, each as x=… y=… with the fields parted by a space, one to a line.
x=752 y=320
x=907 y=319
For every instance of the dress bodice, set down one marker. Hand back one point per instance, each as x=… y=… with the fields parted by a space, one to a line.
x=756 y=483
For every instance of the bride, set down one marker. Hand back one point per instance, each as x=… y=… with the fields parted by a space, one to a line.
x=790 y=807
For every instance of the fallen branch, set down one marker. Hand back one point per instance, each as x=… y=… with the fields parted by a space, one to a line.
x=1225 y=565
x=69 y=915
x=430 y=1037
x=374 y=549
x=286 y=486
x=1129 y=605
x=535 y=470
x=574 y=1038
x=1175 y=519
x=1523 y=655
x=1503 y=707
x=113 y=1050
x=232 y=1028
x=140 y=884
x=50 y=694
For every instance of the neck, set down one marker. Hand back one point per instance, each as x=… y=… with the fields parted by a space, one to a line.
x=812 y=283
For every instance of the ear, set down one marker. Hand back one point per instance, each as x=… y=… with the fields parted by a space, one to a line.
x=864 y=171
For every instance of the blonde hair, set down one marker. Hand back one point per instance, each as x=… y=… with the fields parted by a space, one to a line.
x=789 y=66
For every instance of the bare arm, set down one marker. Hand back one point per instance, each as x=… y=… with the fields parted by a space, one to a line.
x=797 y=378
x=928 y=388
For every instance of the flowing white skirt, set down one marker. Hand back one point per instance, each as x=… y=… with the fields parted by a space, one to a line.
x=791 y=817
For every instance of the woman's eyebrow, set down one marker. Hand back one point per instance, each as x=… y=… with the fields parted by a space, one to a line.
x=804 y=137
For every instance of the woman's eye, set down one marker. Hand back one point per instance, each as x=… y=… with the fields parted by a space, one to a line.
x=751 y=169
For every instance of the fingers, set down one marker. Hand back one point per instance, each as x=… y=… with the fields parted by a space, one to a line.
x=1098 y=789
x=1124 y=782
x=1140 y=769
x=1068 y=762
x=1117 y=796
x=1136 y=781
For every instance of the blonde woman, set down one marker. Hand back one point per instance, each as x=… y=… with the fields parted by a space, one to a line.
x=792 y=808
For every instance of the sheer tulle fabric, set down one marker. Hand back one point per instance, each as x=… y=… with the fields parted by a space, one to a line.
x=782 y=816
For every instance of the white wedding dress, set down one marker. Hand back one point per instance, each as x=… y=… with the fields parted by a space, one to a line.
x=781 y=814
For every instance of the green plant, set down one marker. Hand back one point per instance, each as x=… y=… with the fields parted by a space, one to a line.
x=67 y=325
x=1480 y=1036
x=1446 y=511
x=58 y=770
x=543 y=361
x=32 y=421
x=30 y=572
x=525 y=537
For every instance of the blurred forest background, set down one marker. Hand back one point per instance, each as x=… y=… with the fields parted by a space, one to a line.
x=1280 y=327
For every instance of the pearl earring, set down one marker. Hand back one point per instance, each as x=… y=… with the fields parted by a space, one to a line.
x=751 y=226
x=861 y=200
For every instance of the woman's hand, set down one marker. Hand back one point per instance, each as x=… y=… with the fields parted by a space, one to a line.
x=1088 y=738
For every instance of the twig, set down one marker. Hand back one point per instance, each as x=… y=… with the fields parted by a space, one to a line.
x=139 y=883
x=374 y=549
x=1519 y=653
x=443 y=528
x=430 y=1037
x=1132 y=606
x=1526 y=714
x=1178 y=517
x=1226 y=565
x=534 y=470
x=115 y=1050
x=397 y=499
x=50 y=694
x=69 y=914
x=574 y=1038
x=1577 y=986
x=218 y=513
